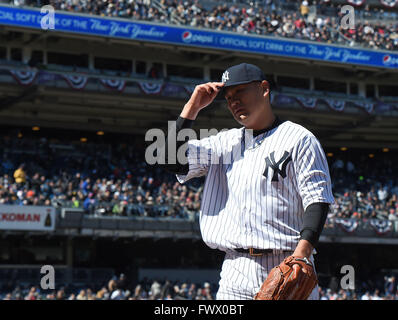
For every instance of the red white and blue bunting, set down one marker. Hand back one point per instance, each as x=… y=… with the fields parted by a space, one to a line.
x=151 y=88
x=24 y=77
x=381 y=227
x=28 y=76
x=356 y=3
x=336 y=105
x=389 y=3
x=309 y=103
x=348 y=225
x=368 y=107
x=76 y=81
x=113 y=84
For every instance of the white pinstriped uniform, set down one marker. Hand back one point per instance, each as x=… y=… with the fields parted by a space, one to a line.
x=255 y=195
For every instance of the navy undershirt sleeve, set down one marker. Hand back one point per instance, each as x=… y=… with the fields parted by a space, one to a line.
x=314 y=220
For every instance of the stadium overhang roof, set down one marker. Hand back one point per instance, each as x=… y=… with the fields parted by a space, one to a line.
x=136 y=114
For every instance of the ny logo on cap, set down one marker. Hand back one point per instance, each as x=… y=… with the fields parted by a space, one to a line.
x=225 y=76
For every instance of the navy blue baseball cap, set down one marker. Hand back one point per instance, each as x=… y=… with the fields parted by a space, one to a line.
x=240 y=74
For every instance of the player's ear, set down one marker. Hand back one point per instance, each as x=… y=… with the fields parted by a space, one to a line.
x=265 y=87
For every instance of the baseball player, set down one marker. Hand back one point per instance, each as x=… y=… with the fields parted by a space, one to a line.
x=267 y=190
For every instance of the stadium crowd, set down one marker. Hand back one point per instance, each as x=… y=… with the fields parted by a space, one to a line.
x=367 y=189
x=114 y=179
x=307 y=20
x=119 y=288
x=91 y=177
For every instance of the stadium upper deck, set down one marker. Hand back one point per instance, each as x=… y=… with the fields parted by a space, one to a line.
x=73 y=78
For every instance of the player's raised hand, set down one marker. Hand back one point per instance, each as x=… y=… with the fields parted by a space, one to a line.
x=202 y=96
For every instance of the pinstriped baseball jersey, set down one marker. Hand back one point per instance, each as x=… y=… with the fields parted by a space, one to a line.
x=257 y=189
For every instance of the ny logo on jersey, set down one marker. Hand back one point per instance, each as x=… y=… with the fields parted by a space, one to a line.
x=276 y=166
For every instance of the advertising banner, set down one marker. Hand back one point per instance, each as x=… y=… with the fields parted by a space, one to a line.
x=34 y=218
x=177 y=35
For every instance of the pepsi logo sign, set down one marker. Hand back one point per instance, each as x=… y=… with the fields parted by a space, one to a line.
x=189 y=37
x=389 y=61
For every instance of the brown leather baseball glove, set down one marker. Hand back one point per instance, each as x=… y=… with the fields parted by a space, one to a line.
x=293 y=279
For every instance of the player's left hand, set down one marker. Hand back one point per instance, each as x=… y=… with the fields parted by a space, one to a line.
x=293 y=279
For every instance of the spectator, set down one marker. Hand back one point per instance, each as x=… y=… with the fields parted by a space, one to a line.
x=102 y=294
x=35 y=183
x=382 y=194
x=207 y=291
x=322 y=294
x=32 y=295
x=60 y=294
x=376 y=295
x=155 y=72
x=366 y=296
x=304 y=9
x=117 y=294
x=191 y=295
x=112 y=286
x=139 y=293
x=8 y=296
x=81 y=295
x=156 y=290
x=122 y=282
x=393 y=216
x=72 y=297
x=20 y=175
x=89 y=294
x=390 y=285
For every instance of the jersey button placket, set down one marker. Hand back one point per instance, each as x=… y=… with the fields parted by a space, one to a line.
x=248 y=192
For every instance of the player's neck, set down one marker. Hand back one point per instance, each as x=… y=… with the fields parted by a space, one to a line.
x=276 y=123
x=264 y=122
